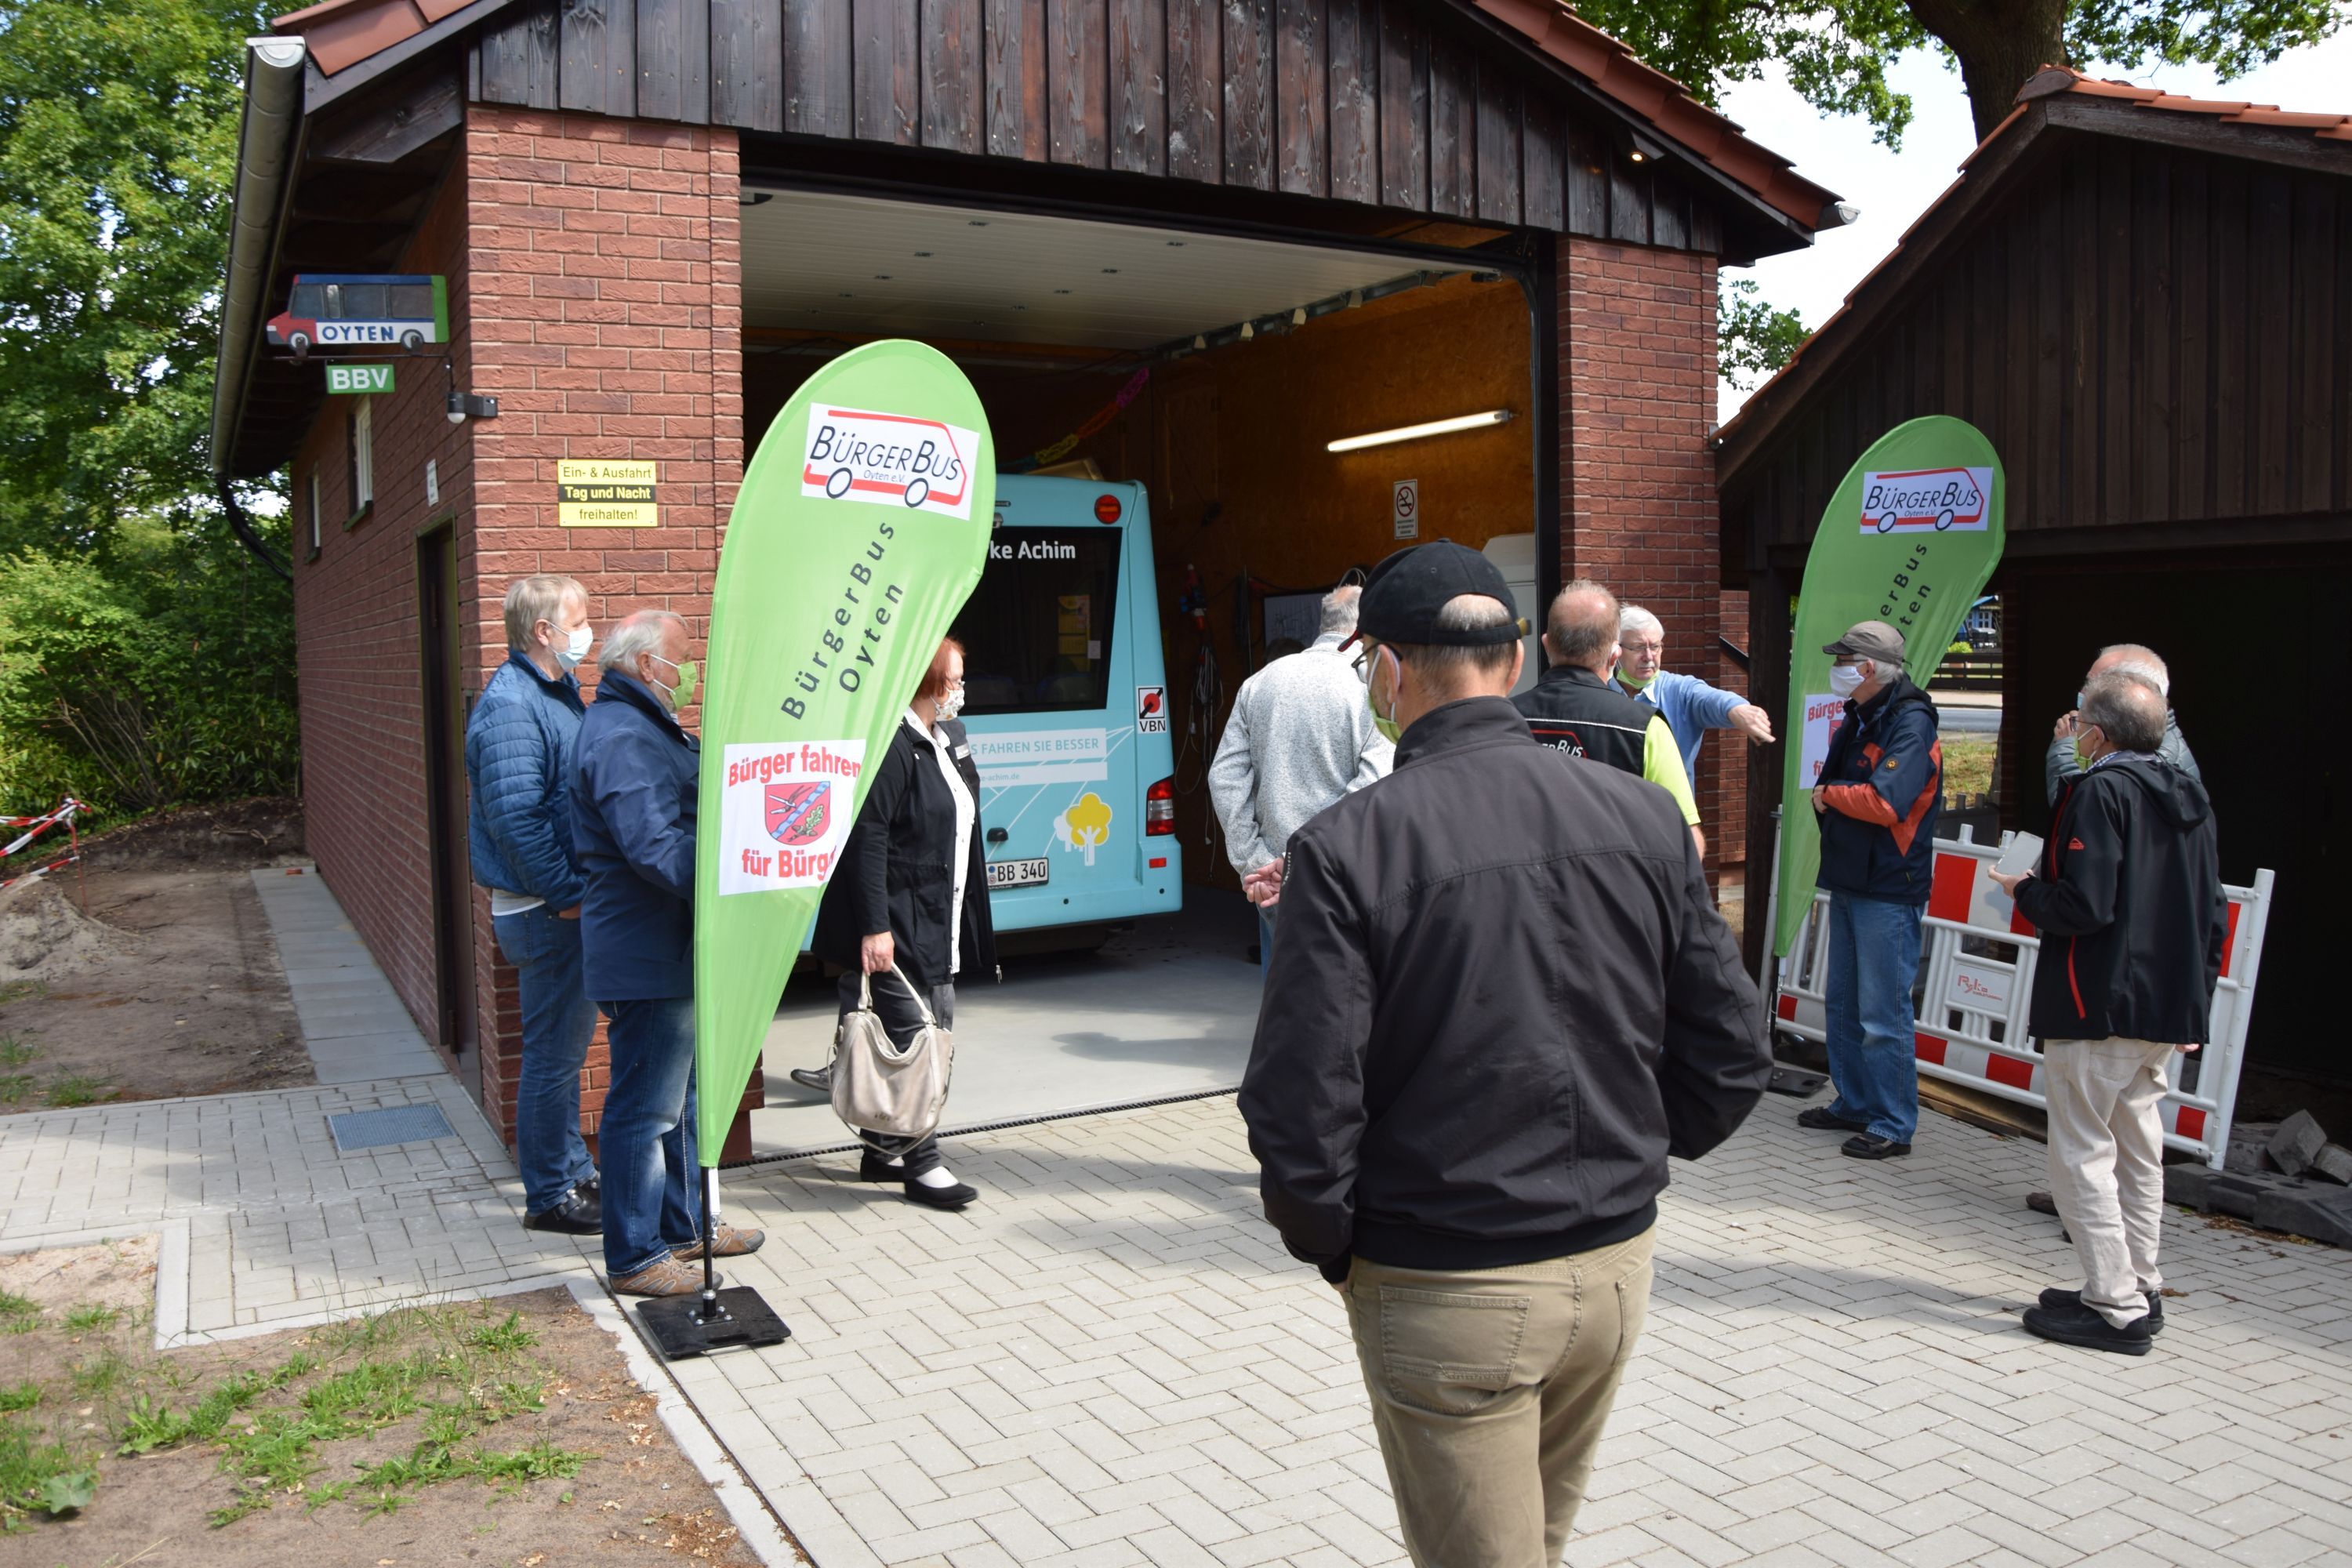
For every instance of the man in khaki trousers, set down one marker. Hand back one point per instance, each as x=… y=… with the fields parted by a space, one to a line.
x=1500 y=998
x=2133 y=918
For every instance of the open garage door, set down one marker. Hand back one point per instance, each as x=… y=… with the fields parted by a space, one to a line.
x=1165 y=402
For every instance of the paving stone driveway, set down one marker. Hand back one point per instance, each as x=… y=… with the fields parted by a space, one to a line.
x=1110 y=1360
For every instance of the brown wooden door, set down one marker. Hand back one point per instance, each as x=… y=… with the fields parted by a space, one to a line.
x=445 y=794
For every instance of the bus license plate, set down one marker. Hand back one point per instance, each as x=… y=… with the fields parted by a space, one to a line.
x=1018 y=873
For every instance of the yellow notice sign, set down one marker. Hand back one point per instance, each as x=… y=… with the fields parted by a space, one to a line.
x=599 y=492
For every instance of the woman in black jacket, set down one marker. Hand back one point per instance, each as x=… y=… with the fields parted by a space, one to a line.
x=912 y=889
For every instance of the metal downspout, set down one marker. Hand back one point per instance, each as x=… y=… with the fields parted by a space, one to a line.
x=265 y=171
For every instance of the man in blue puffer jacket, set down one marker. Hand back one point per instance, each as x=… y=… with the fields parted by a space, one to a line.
x=518 y=751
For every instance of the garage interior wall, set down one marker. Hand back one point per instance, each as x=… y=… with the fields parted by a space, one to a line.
x=1231 y=443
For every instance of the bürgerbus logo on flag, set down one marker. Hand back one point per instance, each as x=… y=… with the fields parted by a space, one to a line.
x=784 y=812
x=888 y=460
x=1918 y=500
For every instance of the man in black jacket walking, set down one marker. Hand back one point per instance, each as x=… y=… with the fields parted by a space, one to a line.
x=1501 y=998
x=2132 y=920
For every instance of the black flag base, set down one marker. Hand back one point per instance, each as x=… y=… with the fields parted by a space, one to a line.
x=685 y=1326
x=710 y=1319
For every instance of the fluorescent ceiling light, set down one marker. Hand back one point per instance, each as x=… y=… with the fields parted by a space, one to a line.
x=1415 y=432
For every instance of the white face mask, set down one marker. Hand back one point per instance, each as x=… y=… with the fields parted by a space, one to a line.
x=575 y=648
x=1844 y=680
x=951 y=703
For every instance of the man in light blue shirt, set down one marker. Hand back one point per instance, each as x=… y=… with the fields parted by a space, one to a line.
x=1691 y=706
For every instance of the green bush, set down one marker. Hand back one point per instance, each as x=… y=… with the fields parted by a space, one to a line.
x=155 y=670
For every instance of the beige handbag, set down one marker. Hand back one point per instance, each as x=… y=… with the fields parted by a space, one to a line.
x=883 y=1087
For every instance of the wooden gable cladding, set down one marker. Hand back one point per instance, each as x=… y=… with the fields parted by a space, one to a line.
x=2158 y=342
x=1396 y=103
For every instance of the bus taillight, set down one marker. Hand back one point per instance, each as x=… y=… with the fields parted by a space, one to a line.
x=1160 y=809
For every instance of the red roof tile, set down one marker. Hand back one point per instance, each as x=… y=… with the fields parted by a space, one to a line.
x=2050 y=82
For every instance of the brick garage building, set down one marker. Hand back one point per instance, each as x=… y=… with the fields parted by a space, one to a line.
x=619 y=197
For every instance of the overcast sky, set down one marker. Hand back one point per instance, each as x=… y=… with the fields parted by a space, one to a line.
x=1893 y=189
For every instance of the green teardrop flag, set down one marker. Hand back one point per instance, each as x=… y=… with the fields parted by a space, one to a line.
x=860 y=531
x=1910 y=538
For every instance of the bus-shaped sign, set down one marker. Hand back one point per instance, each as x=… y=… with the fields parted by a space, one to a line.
x=363 y=310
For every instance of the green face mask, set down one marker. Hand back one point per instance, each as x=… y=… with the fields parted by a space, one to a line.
x=1391 y=731
x=682 y=694
x=2083 y=759
x=1631 y=681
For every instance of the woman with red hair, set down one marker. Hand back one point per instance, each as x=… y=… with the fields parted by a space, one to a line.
x=908 y=905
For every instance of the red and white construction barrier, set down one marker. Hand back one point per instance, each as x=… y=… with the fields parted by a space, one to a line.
x=34 y=826
x=1976 y=984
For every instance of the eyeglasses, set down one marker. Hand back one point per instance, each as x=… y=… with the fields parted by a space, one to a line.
x=1362 y=663
x=1632 y=647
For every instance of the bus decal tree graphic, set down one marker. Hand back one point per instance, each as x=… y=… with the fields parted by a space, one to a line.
x=1084 y=825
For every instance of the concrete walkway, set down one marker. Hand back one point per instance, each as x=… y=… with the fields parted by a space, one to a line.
x=354 y=1023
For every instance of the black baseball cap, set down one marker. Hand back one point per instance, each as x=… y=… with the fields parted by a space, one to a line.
x=1405 y=592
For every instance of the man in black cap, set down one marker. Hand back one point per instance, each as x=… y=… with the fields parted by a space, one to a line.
x=1882 y=785
x=1500 y=997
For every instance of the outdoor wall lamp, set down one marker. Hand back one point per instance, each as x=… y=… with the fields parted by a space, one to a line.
x=1415 y=432
x=465 y=406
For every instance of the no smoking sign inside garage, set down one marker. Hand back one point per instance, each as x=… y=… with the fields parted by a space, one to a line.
x=1407 y=509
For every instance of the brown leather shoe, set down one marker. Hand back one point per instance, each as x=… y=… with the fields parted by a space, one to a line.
x=667 y=1276
x=726 y=1241
x=2041 y=1203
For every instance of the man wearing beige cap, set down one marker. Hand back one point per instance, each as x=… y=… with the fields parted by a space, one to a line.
x=1882 y=785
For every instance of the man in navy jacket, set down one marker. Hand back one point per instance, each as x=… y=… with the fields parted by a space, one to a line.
x=633 y=819
x=518 y=749
x=1882 y=786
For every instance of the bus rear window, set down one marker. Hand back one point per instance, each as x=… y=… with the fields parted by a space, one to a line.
x=1038 y=632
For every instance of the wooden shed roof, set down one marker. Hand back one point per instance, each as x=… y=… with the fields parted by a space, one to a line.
x=2056 y=98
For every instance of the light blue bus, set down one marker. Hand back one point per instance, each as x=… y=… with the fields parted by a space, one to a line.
x=1066 y=699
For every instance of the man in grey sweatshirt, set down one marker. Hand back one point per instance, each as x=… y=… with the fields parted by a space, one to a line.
x=1300 y=737
x=2130 y=658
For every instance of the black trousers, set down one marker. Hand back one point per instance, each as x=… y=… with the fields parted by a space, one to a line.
x=895 y=1004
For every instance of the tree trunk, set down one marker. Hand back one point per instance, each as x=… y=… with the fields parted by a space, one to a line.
x=2000 y=44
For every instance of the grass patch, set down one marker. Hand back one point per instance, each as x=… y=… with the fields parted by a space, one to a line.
x=448 y=1373
x=1968 y=763
x=80 y=1089
x=86 y=1320
x=503 y=1339
x=16 y=1052
x=15 y=1086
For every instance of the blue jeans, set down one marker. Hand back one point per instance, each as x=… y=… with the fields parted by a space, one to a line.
x=558 y=1020
x=653 y=1192
x=1264 y=943
x=1873 y=1058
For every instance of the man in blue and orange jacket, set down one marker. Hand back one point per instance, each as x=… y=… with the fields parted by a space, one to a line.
x=1880 y=789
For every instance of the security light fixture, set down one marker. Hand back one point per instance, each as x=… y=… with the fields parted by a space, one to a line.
x=1415 y=432
x=465 y=406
